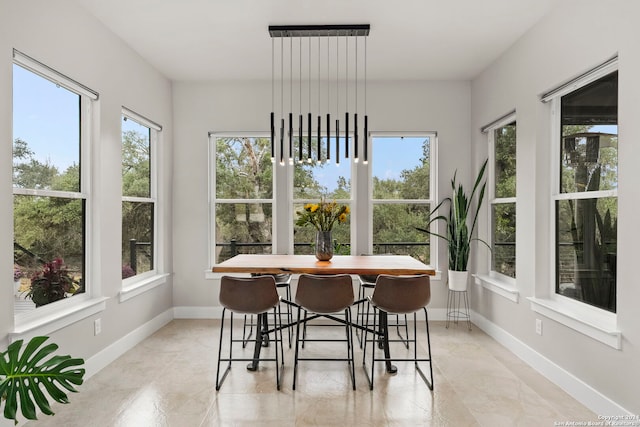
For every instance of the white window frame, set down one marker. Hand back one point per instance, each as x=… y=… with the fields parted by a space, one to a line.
x=289 y=169
x=594 y=322
x=494 y=281
x=432 y=201
x=213 y=199
x=60 y=314
x=140 y=283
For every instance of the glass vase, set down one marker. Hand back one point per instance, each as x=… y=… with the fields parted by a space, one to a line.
x=324 y=245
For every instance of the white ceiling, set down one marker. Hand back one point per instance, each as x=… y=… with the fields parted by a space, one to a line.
x=198 y=40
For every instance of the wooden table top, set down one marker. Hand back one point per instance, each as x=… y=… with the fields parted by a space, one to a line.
x=339 y=264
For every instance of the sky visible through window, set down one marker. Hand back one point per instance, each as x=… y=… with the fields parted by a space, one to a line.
x=393 y=155
x=46 y=117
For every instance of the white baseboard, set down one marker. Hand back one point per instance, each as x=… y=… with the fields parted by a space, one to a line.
x=101 y=359
x=578 y=389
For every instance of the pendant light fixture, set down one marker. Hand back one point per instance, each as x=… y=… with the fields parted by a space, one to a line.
x=343 y=35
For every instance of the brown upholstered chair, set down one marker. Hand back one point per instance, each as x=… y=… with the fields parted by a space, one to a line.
x=283 y=281
x=398 y=295
x=367 y=282
x=323 y=296
x=255 y=296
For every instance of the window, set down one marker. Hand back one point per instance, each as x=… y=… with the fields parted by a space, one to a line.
x=502 y=198
x=51 y=116
x=313 y=181
x=242 y=192
x=139 y=195
x=402 y=193
x=585 y=201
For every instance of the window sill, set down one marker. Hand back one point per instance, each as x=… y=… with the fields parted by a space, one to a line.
x=58 y=319
x=498 y=286
x=589 y=321
x=142 y=286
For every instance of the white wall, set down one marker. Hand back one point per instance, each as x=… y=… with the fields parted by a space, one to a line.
x=244 y=106
x=62 y=36
x=576 y=36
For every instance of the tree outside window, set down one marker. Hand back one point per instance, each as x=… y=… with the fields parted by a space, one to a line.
x=49 y=204
x=402 y=199
x=586 y=205
x=243 y=196
x=502 y=200
x=138 y=198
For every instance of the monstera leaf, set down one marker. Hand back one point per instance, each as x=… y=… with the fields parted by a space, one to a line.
x=26 y=379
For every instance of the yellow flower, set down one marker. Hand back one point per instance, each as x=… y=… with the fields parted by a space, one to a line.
x=322 y=215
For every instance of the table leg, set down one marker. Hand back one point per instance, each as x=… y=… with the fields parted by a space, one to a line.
x=260 y=336
x=384 y=326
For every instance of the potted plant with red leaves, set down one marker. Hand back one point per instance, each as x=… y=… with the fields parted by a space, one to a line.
x=52 y=283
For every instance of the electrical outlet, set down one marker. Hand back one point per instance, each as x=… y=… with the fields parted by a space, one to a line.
x=97 y=326
x=539 y=326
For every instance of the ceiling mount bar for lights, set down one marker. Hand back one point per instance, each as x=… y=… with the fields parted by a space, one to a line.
x=339 y=33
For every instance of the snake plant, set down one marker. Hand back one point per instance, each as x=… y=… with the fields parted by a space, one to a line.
x=27 y=378
x=459 y=235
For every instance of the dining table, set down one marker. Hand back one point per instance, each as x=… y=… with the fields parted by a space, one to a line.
x=399 y=265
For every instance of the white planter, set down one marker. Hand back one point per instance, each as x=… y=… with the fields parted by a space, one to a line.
x=458 y=280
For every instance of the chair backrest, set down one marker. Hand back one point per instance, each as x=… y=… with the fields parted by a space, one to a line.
x=325 y=294
x=249 y=295
x=401 y=294
x=279 y=277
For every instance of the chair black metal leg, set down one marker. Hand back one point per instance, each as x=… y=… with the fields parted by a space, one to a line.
x=277 y=323
x=289 y=313
x=304 y=328
x=373 y=350
x=359 y=315
x=218 y=380
x=246 y=337
x=253 y=366
x=295 y=359
x=350 y=352
x=429 y=381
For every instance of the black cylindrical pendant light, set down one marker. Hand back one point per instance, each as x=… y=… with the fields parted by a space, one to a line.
x=300 y=138
x=319 y=141
x=346 y=135
x=273 y=136
x=366 y=139
x=331 y=32
x=282 y=142
x=337 y=142
x=290 y=138
x=309 y=137
x=328 y=137
x=355 y=137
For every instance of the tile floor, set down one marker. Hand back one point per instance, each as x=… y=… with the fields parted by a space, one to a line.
x=169 y=380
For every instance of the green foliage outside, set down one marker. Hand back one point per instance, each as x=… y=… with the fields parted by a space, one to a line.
x=244 y=171
x=587 y=227
x=503 y=215
x=46 y=228
x=137 y=216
